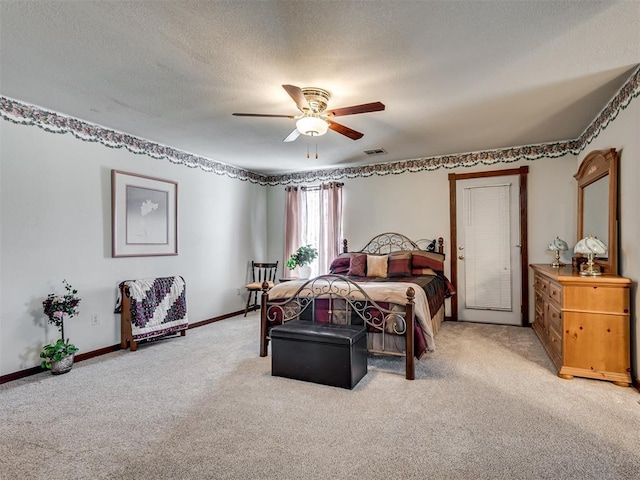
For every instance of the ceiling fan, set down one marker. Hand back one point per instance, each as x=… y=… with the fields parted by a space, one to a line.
x=315 y=119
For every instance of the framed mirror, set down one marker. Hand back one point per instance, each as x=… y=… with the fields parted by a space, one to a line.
x=598 y=203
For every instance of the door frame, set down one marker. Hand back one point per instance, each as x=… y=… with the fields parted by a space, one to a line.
x=524 y=256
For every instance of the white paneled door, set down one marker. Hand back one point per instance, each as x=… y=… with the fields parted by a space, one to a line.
x=488 y=250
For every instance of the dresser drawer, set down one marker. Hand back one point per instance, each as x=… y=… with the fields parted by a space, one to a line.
x=540 y=319
x=555 y=293
x=555 y=342
x=554 y=318
x=539 y=301
x=541 y=284
x=597 y=299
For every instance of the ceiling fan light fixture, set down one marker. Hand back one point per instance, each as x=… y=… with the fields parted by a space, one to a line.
x=312 y=126
x=314 y=118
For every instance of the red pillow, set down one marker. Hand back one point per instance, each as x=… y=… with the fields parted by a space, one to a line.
x=399 y=264
x=358 y=265
x=340 y=265
x=431 y=260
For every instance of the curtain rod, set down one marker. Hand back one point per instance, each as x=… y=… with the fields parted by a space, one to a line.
x=315 y=187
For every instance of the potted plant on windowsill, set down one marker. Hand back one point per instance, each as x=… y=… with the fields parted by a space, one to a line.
x=301 y=260
x=58 y=356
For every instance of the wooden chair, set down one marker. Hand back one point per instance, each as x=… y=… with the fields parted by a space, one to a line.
x=260 y=273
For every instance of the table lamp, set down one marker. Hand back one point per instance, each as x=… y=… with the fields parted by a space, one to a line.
x=558 y=246
x=590 y=246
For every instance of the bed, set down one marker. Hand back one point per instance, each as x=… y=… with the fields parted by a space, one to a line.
x=393 y=286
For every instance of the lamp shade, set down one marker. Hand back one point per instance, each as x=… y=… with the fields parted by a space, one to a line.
x=590 y=245
x=313 y=126
x=558 y=244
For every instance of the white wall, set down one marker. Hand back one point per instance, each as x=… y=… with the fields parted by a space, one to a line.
x=275 y=227
x=417 y=205
x=623 y=134
x=55 y=212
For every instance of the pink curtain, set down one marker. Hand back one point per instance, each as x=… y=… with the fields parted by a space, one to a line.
x=293 y=221
x=331 y=224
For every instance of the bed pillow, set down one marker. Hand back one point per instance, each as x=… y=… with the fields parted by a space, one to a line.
x=433 y=260
x=377 y=266
x=399 y=264
x=358 y=265
x=340 y=265
x=422 y=271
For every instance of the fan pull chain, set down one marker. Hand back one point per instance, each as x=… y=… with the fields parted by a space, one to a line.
x=308 y=155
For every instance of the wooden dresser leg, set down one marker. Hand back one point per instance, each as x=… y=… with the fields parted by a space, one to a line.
x=622 y=384
x=564 y=376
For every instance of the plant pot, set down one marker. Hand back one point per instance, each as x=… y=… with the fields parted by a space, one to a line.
x=304 y=272
x=62 y=366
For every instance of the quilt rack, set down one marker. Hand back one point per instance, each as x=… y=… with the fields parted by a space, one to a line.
x=150 y=308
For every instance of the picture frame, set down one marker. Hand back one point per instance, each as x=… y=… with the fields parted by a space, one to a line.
x=144 y=215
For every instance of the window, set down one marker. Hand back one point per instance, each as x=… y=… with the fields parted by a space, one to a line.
x=313 y=216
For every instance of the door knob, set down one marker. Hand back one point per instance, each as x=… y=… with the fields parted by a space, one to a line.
x=461 y=257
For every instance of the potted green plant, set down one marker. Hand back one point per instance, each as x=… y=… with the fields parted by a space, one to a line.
x=59 y=356
x=301 y=259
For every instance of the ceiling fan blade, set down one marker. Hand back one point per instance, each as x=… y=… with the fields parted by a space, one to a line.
x=364 y=108
x=296 y=93
x=262 y=115
x=292 y=136
x=346 y=131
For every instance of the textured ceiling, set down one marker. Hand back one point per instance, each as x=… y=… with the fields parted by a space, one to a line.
x=455 y=76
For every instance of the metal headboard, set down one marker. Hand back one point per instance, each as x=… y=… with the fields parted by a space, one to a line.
x=394 y=242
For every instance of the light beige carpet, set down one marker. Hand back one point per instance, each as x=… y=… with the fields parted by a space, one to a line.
x=485 y=405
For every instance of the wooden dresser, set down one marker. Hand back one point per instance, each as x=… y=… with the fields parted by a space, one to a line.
x=583 y=323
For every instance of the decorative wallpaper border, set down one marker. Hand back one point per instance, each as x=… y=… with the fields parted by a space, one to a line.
x=619 y=102
x=23 y=114
x=486 y=157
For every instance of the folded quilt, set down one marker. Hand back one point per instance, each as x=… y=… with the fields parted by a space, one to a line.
x=158 y=305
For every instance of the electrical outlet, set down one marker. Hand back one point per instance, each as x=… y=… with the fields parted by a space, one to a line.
x=239 y=292
x=95 y=320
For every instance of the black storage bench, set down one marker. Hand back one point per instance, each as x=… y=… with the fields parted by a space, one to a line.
x=329 y=354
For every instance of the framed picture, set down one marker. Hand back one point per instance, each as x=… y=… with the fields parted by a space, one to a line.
x=144 y=215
